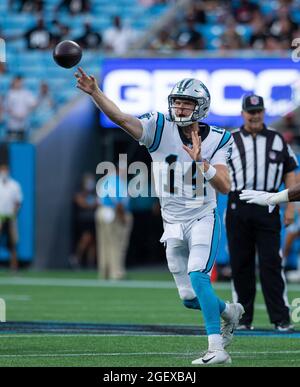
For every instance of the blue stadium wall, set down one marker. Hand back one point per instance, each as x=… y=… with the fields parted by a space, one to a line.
x=61 y=159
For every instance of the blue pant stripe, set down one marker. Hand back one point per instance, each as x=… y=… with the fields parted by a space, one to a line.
x=214 y=244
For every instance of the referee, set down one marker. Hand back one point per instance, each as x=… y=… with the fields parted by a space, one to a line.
x=261 y=160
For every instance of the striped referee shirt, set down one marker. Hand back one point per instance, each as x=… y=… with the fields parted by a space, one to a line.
x=260 y=162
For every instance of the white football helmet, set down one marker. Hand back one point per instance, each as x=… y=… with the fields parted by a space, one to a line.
x=194 y=90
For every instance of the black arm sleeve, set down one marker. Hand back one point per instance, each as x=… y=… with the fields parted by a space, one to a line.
x=290 y=160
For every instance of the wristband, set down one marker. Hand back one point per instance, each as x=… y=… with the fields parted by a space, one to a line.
x=210 y=173
x=279 y=197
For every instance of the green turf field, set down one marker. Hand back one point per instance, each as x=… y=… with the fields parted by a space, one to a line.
x=145 y=298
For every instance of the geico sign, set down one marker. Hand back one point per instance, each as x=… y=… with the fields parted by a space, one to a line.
x=139 y=91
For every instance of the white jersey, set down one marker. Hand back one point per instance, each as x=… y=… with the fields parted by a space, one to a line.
x=183 y=192
x=10 y=196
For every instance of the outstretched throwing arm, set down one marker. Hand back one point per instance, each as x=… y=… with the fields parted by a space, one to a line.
x=127 y=122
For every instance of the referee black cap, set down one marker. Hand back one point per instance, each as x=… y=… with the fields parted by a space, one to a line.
x=253 y=102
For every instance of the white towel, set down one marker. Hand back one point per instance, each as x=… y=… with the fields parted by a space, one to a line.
x=172 y=231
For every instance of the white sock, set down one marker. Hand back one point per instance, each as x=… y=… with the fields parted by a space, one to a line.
x=215 y=343
x=226 y=312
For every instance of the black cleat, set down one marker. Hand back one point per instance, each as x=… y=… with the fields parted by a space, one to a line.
x=284 y=327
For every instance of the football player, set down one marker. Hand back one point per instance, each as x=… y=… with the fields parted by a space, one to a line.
x=191 y=223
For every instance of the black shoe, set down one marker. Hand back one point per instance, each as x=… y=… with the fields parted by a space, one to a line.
x=245 y=327
x=284 y=327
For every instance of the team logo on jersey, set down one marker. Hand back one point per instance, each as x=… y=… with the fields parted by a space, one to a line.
x=272 y=155
x=147 y=115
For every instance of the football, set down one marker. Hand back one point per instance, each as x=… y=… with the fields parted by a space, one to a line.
x=67 y=54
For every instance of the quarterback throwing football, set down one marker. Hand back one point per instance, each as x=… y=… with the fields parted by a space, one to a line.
x=191 y=222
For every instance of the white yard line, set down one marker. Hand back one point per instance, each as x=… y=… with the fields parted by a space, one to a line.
x=33 y=335
x=236 y=354
x=70 y=282
x=14 y=297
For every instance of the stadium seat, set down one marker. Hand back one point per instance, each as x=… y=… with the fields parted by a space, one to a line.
x=5 y=83
x=245 y=31
x=296 y=16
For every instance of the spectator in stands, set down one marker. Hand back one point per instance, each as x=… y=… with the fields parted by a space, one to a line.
x=38 y=37
x=163 y=43
x=19 y=103
x=119 y=38
x=282 y=27
x=45 y=100
x=85 y=202
x=296 y=33
x=259 y=32
x=74 y=6
x=189 y=38
x=148 y=3
x=231 y=40
x=59 y=32
x=64 y=34
x=46 y=106
x=272 y=43
x=151 y=3
x=10 y=201
x=27 y=5
x=90 y=39
x=113 y=224
x=197 y=13
x=219 y=10
x=244 y=12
